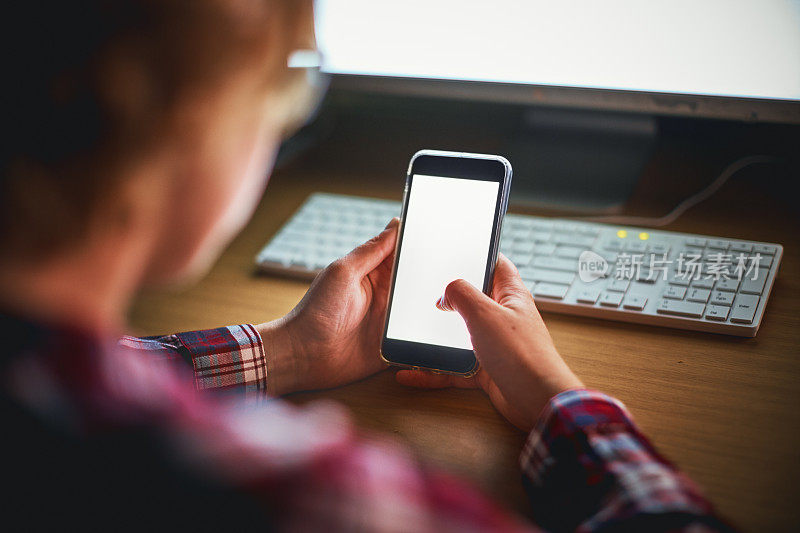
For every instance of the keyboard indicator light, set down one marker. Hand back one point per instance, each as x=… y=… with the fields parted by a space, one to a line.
x=644 y=236
x=622 y=234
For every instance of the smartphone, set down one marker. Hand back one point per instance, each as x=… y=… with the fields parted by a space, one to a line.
x=453 y=210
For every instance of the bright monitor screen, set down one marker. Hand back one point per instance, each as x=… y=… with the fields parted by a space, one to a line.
x=739 y=48
x=446 y=236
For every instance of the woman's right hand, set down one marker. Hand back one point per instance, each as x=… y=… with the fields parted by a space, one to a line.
x=520 y=367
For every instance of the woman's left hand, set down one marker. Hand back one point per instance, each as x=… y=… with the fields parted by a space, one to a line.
x=332 y=337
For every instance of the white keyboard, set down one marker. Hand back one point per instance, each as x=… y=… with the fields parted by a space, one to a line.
x=652 y=277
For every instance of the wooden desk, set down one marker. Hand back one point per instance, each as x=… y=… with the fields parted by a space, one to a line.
x=725 y=409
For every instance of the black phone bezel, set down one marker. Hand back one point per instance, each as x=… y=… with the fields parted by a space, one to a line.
x=430 y=356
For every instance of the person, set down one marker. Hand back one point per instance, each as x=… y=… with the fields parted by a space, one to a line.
x=139 y=134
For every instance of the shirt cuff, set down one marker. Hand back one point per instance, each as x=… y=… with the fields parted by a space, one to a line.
x=587 y=464
x=564 y=415
x=231 y=359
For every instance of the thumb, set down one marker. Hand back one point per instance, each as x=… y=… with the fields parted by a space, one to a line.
x=462 y=297
x=365 y=258
x=507 y=283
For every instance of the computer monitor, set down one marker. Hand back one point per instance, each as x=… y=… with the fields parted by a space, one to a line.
x=626 y=60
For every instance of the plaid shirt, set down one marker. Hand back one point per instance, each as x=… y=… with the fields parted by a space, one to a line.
x=585 y=465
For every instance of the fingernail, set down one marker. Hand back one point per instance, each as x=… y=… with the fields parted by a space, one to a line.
x=441 y=304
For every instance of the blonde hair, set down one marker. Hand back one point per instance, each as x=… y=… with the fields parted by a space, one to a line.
x=96 y=83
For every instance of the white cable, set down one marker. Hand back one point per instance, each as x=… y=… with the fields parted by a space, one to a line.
x=688 y=203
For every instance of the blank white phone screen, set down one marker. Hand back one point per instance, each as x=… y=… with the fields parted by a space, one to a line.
x=447 y=233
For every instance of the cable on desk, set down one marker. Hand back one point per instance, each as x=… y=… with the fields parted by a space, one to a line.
x=689 y=202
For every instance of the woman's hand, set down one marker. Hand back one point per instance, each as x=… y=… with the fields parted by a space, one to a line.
x=520 y=367
x=332 y=337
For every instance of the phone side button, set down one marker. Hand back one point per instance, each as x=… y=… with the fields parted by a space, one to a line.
x=551 y=290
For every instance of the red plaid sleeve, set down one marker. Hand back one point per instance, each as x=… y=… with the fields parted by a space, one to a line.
x=309 y=466
x=587 y=467
x=230 y=359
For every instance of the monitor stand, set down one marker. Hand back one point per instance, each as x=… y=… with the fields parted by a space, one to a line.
x=583 y=161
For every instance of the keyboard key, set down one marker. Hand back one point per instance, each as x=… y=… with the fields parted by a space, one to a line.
x=544 y=249
x=614 y=245
x=611 y=299
x=566 y=227
x=696 y=242
x=717 y=312
x=547 y=276
x=636 y=247
x=610 y=257
x=764 y=249
x=727 y=285
x=588 y=296
x=741 y=247
x=623 y=271
x=619 y=285
x=674 y=292
x=741 y=257
x=721 y=298
x=698 y=295
x=523 y=246
x=540 y=236
x=687 y=256
x=521 y=235
x=551 y=290
x=716 y=257
x=764 y=261
x=703 y=283
x=680 y=279
x=754 y=286
x=744 y=308
x=650 y=259
x=635 y=302
x=718 y=244
x=530 y=285
x=680 y=308
x=659 y=249
x=513 y=223
x=570 y=252
x=646 y=275
x=327 y=259
x=570 y=239
x=521 y=260
x=555 y=263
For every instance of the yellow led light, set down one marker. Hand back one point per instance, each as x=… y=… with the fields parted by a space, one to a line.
x=622 y=234
x=644 y=236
